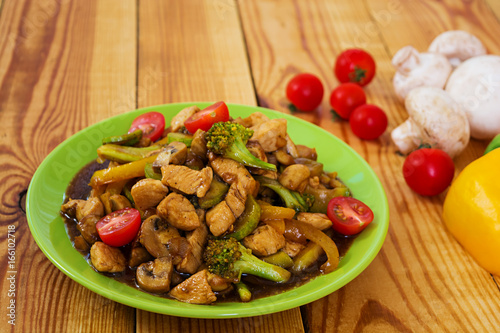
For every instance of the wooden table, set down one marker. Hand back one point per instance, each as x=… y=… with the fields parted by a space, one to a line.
x=65 y=65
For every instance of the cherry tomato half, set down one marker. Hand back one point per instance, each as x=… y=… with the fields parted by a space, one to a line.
x=348 y=215
x=345 y=98
x=152 y=125
x=355 y=65
x=428 y=171
x=305 y=91
x=207 y=117
x=120 y=227
x=368 y=122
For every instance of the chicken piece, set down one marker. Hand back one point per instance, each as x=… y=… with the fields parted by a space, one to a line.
x=178 y=120
x=293 y=248
x=218 y=283
x=93 y=206
x=199 y=144
x=87 y=228
x=317 y=220
x=69 y=208
x=295 y=177
x=220 y=218
x=155 y=276
x=270 y=134
x=194 y=290
x=197 y=240
x=231 y=171
x=264 y=241
x=106 y=258
x=148 y=193
x=179 y=212
x=187 y=180
x=236 y=198
x=254 y=119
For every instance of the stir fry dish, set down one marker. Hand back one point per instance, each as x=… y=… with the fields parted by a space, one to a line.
x=211 y=208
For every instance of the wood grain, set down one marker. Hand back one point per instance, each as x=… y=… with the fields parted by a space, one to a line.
x=422 y=280
x=194 y=51
x=61 y=63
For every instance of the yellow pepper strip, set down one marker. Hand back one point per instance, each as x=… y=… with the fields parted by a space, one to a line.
x=276 y=212
x=278 y=225
x=471 y=210
x=121 y=172
x=318 y=237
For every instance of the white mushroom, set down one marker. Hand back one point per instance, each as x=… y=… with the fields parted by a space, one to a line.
x=434 y=119
x=457 y=46
x=414 y=69
x=475 y=85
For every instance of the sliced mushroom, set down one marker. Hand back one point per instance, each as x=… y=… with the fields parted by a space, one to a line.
x=155 y=276
x=150 y=238
x=174 y=153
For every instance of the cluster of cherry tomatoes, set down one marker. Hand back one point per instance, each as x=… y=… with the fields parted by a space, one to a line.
x=354 y=68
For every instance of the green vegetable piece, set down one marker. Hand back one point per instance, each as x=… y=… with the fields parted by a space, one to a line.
x=243 y=291
x=128 y=194
x=229 y=140
x=279 y=258
x=494 y=144
x=181 y=137
x=229 y=259
x=128 y=139
x=291 y=199
x=248 y=220
x=214 y=195
x=150 y=172
x=323 y=196
x=309 y=255
x=124 y=154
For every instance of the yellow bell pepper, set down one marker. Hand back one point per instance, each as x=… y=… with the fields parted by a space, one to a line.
x=471 y=210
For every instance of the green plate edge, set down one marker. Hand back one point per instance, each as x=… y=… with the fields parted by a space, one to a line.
x=46 y=193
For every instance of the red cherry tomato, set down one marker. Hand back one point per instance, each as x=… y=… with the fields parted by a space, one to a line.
x=348 y=215
x=355 y=65
x=207 y=117
x=345 y=98
x=305 y=92
x=152 y=125
x=120 y=227
x=428 y=171
x=368 y=122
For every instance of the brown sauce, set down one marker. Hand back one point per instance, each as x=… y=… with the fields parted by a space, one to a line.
x=79 y=189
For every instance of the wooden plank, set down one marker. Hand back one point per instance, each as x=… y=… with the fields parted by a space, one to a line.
x=422 y=280
x=495 y=7
x=194 y=51
x=60 y=65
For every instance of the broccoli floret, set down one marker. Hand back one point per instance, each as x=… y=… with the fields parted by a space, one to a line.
x=229 y=139
x=292 y=199
x=229 y=259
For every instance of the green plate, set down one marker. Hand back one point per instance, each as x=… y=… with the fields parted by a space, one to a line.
x=47 y=188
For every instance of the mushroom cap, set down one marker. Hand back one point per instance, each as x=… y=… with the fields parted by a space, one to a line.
x=414 y=69
x=457 y=46
x=440 y=120
x=475 y=85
